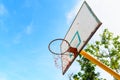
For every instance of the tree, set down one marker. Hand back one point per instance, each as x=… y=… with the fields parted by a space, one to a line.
x=107 y=50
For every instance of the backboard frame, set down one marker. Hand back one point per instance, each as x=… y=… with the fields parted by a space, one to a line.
x=90 y=36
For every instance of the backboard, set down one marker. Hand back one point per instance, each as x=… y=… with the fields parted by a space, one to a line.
x=81 y=30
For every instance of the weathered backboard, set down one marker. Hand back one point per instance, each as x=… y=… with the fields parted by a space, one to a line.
x=83 y=27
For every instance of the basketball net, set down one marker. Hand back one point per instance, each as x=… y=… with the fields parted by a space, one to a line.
x=57 y=61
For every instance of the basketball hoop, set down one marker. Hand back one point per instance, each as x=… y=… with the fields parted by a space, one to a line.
x=70 y=49
x=60 y=57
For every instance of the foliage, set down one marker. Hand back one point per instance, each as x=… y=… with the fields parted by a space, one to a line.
x=107 y=50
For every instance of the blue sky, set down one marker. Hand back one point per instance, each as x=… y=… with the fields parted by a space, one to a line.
x=27 y=27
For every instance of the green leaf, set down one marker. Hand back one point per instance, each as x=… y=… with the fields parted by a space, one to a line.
x=109 y=55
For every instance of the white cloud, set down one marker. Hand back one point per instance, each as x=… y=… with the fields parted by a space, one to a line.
x=28 y=29
x=103 y=73
x=3 y=10
x=72 y=13
x=17 y=38
x=2 y=26
x=3 y=14
x=108 y=12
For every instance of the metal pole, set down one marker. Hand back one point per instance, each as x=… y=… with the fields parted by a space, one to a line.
x=95 y=61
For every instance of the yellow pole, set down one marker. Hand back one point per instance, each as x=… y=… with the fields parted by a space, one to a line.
x=95 y=61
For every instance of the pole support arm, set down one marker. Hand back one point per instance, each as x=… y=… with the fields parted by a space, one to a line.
x=97 y=62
